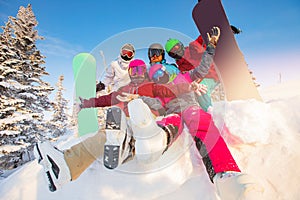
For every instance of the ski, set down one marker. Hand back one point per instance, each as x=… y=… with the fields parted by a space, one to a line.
x=84 y=68
x=231 y=66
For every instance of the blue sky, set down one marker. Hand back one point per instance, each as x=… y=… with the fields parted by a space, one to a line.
x=270 y=39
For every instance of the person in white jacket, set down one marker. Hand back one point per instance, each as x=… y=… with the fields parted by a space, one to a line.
x=116 y=75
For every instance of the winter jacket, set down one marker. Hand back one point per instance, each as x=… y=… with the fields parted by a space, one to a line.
x=116 y=74
x=192 y=58
x=170 y=68
x=204 y=100
x=192 y=55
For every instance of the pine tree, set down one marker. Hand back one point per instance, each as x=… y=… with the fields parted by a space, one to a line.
x=24 y=95
x=59 y=121
x=9 y=74
x=36 y=91
x=12 y=110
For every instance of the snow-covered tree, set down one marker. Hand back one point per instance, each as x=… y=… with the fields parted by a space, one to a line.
x=25 y=41
x=24 y=95
x=10 y=73
x=60 y=118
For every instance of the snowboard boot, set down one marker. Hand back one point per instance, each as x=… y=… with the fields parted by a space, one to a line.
x=56 y=169
x=150 y=139
x=236 y=185
x=117 y=147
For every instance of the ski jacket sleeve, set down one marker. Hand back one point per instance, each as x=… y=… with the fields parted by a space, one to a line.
x=154 y=104
x=197 y=47
x=102 y=101
x=202 y=70
x=109 y=74
x=170 y=90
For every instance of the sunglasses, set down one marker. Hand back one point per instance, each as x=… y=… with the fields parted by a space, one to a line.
x=127 y=53
x=136 y=71
x=155 y=52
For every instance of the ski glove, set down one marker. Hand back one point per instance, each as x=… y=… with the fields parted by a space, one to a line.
x=77 y=107
x=214 y=36
x=100 y=86
x=198 y=88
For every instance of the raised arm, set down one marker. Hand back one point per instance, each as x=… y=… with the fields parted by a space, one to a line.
x=207 y=58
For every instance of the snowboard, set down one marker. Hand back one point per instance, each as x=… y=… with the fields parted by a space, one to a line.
x=231 y=66
x=84 y=69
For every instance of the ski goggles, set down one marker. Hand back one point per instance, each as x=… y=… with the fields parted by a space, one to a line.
x=127 y=53
x=177 y=48
x=137 y=71
x=155 y=52
x=158 y=74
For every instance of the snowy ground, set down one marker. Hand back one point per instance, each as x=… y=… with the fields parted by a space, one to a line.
x=265 y=140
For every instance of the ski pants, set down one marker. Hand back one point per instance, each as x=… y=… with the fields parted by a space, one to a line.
x=212 y=147
x=80 y=156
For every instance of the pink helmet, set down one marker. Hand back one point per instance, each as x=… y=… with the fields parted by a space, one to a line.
x=137 y=67
x=154 y=68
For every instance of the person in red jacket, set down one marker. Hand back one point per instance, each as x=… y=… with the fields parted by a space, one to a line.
x=73 y=161
x=220 y=164
x=141 y=85
x=148 y=91
x=189 y=57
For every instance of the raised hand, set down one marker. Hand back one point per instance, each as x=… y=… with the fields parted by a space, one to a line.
x=214 y=36
x=198 y=88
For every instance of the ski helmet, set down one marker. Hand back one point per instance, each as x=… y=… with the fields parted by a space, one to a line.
x=170 y=44
x=137 y=70
x=153 y=69
x=156 y=49
x=159 y=74
x=127 y=52
x=175 y=48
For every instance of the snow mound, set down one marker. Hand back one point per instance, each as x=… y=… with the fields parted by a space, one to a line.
x=264 y=138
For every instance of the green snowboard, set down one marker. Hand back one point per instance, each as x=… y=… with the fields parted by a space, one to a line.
x=84 y=68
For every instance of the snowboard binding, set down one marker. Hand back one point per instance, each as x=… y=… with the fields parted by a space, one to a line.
x=56 y=169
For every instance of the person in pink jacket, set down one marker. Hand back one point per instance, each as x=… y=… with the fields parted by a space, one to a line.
x=216 y=155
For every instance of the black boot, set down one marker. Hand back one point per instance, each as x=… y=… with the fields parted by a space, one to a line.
x=172 y=134
x=206 y=160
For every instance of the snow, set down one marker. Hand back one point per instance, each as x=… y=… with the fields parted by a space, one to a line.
x=9 y=133
x=17 y=117
x=14 y=84
x=264 y=139
x=10 y=148
x=28 y=95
